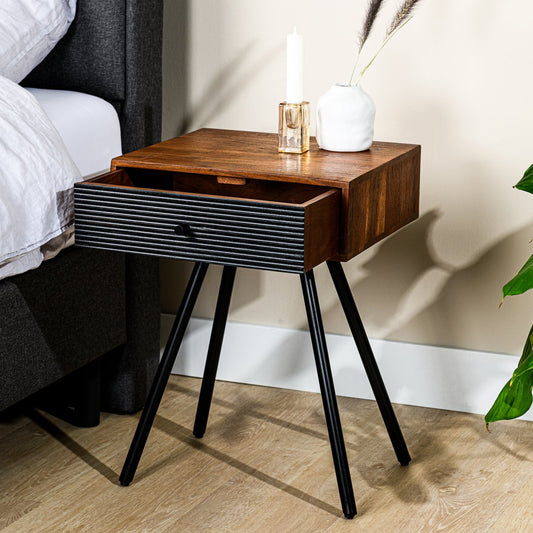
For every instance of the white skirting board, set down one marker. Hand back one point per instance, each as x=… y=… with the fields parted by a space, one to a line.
x=414 y=374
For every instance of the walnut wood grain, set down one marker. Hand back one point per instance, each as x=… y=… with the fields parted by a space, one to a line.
x=186 y=183
x=379 y=187
x=321 y=229
x=380 y=205
x=231 y=181
x=254 y=155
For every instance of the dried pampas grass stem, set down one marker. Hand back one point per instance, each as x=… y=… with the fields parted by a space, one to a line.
x=373 y=9
x=402 y=15
x=372 y=12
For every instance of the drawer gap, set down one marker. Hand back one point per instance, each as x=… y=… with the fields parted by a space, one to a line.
x=207 y=185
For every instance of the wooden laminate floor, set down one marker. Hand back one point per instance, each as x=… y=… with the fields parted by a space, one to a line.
x=264 y=465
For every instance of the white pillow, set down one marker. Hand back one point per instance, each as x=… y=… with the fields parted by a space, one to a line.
x=36 y=179
x=29 y=29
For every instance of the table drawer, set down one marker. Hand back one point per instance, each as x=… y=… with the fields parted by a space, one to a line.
x=270 y=225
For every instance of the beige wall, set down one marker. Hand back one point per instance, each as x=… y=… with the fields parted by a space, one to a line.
x=457 y=80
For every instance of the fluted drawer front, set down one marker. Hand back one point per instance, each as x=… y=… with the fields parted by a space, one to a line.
x=208 y=228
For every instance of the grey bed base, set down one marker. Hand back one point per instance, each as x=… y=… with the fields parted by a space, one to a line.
x=88 y=314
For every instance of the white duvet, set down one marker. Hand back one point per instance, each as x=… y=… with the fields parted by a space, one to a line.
x=36 y=183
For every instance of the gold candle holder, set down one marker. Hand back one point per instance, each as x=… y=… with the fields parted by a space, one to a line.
x=293 y=128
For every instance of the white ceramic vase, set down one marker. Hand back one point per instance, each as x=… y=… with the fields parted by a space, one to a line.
x=345 y=119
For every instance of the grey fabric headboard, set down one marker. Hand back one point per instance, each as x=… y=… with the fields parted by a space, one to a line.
x=113 y=50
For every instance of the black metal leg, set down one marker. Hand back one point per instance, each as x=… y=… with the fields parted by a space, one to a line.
x=213 y=353
x=163 y=373
x=369 y=362
x=329 y=399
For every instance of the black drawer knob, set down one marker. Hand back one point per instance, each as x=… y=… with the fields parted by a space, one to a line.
x=183 y=229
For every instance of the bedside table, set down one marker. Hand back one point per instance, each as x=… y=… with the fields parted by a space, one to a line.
x=229 y=198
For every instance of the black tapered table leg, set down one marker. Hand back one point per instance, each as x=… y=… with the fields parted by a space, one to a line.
x=213 y=352
x=163 y=373
x=369 y=362
x=327 y=390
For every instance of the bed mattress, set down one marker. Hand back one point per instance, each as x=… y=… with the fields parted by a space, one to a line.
x=90 y=130
x=88 y=125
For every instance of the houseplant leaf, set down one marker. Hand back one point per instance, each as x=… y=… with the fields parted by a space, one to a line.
x=526 y=183
x=522 y=282
x=528 y=348
x=516 y=397
x=513 y=401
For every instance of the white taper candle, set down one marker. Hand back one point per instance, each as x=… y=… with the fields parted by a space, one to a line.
x=294 y=68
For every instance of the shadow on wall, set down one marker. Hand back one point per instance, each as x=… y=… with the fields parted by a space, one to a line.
x=226 y=86
x=221 y=91
x=397 y=266
x=407 y=292
x=465 y=312
x=175 y=275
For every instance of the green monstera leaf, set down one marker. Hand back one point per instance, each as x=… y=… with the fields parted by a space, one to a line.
x=526 y=183
x=516 y=396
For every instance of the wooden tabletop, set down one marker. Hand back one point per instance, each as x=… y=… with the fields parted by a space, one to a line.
x=255 y=155
x=379 y=187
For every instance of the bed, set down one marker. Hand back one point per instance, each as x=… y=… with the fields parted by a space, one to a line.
x=81 y=331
